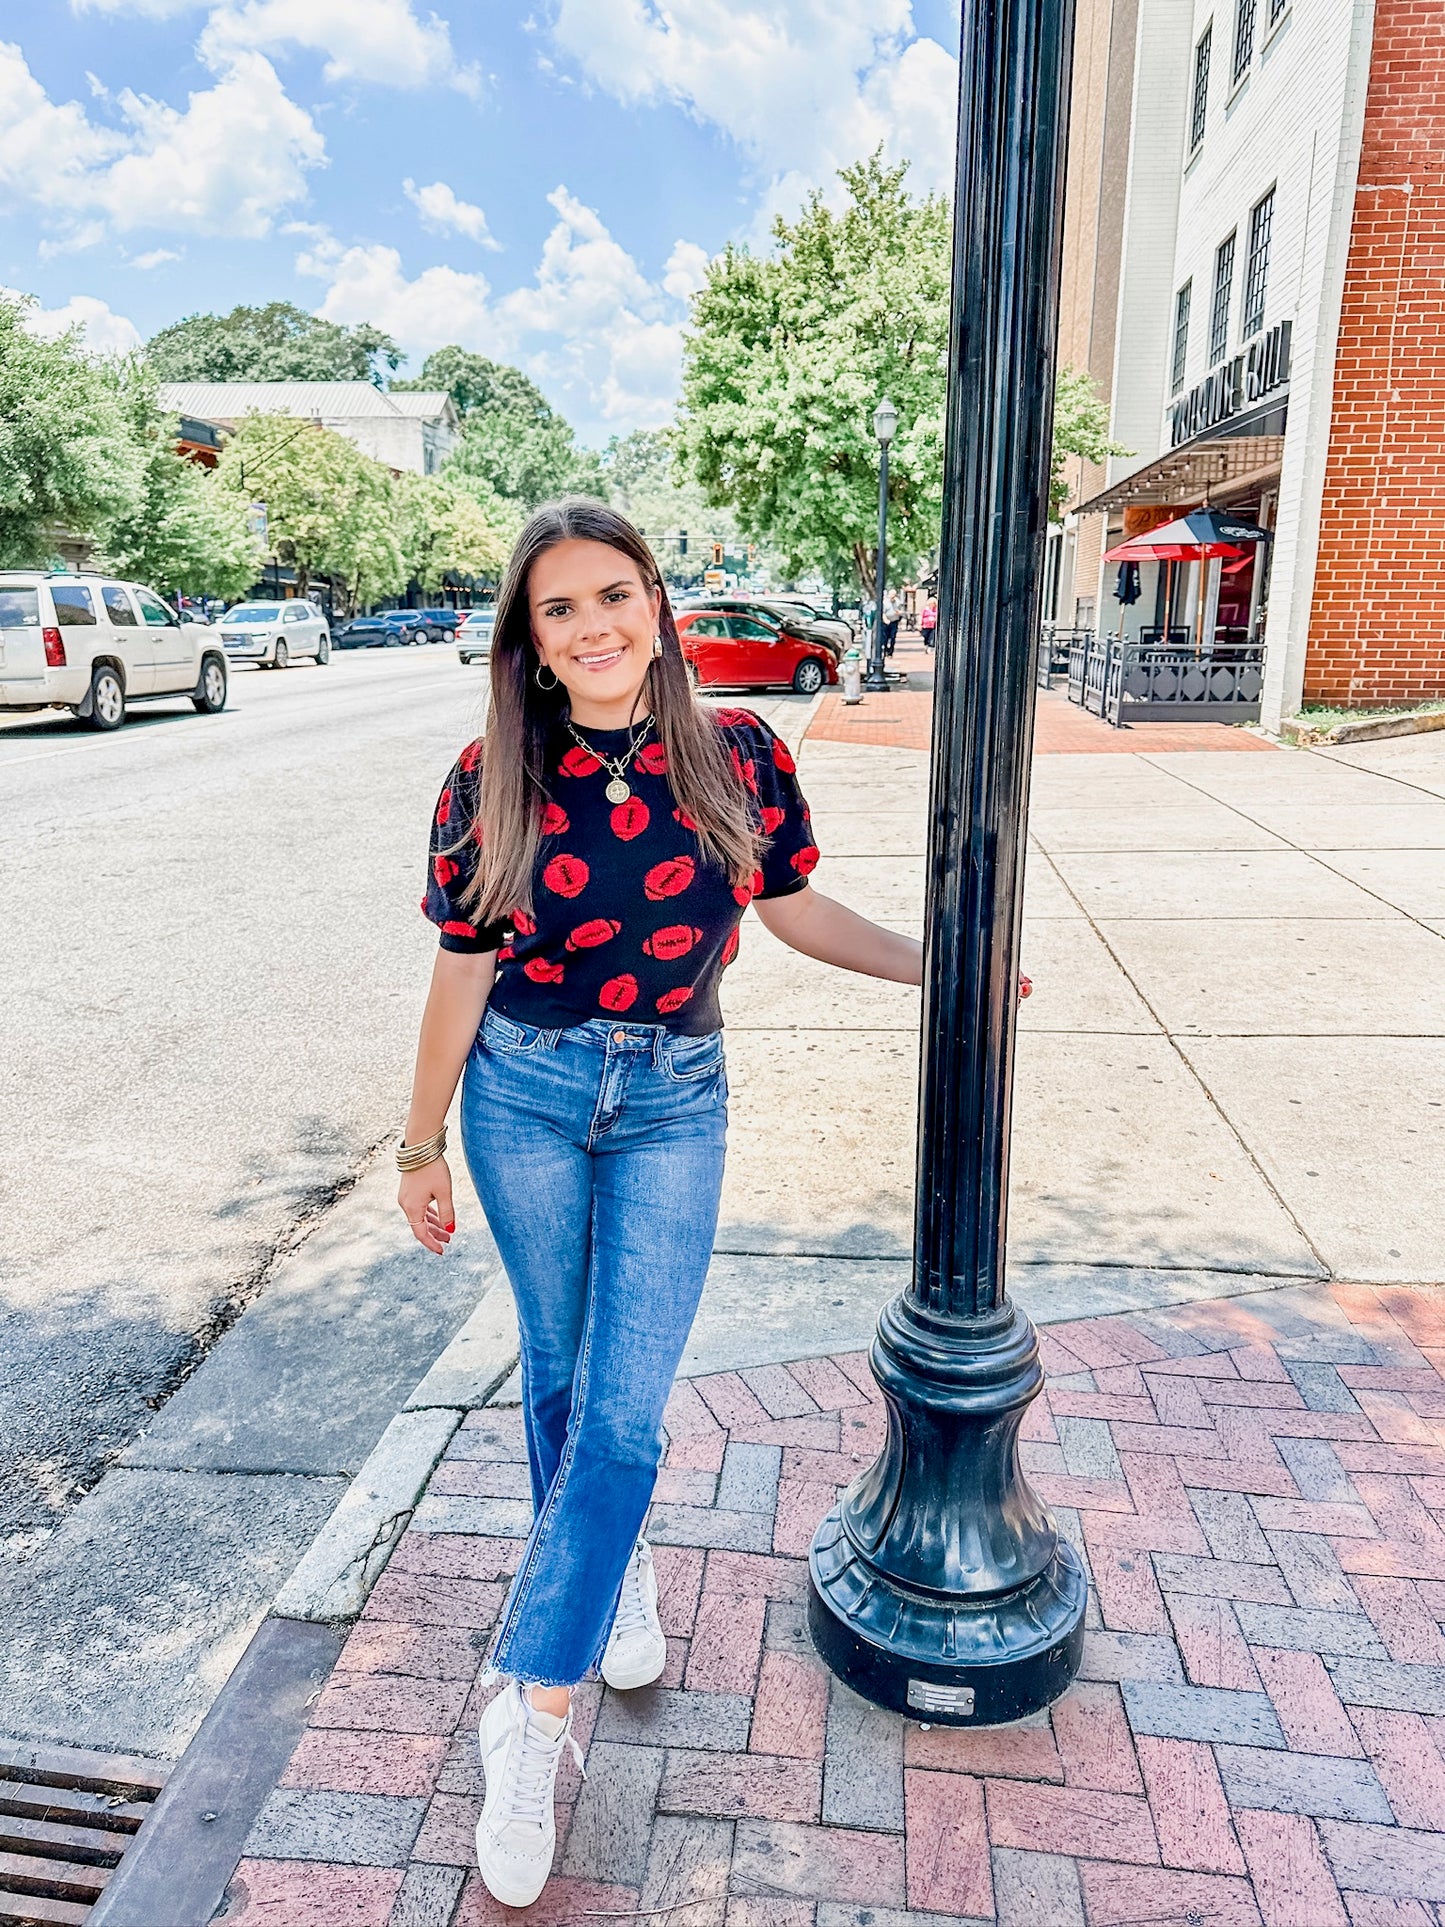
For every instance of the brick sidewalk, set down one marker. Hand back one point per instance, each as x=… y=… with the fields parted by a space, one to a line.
x=1259 y=1487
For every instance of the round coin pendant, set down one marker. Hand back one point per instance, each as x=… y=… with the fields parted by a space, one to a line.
x=617 y=791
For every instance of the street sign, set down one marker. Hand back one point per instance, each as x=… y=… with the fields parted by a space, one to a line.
x=714 y=579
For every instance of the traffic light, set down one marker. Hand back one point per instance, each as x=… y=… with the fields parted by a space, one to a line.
x=717 y=555
x=682 y=541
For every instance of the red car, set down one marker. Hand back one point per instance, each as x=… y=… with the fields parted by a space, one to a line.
x=727 y=650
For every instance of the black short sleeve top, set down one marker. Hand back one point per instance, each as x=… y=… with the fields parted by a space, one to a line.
x=630 y=917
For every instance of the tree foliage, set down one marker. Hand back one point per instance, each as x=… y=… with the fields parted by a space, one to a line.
x=512 y=437
x=331 y=511
x=185 y=532
x=279 y=342
x=787 y=357
x=67 y=461
x=447 y=531
x=648 y=483
x=1081 y=427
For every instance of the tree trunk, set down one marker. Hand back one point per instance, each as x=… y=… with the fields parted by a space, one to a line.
x=865 y=560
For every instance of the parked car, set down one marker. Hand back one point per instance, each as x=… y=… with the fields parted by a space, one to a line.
x=372 y=632
x=272 y=633
x=797 y=619
x=434 y=625
x=93 y=645
x=724 y=648
x=474 y=638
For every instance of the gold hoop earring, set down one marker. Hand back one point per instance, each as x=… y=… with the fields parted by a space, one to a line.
x=657 y=648
x=547 y=686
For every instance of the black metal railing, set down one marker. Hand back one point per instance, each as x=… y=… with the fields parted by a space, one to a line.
x=1154 y=684
x=1055 y=645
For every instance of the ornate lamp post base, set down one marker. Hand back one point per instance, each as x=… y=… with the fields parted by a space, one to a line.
x=939 y=1585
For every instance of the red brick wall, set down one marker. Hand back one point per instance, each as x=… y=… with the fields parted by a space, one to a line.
x=1377 y=623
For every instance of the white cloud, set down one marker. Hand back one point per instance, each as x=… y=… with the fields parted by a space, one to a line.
x=228 y=163
x=802 y=86
x=104 y=332
x=602 y=340
x=382 y=41
x=154 y=258
x=442 y=211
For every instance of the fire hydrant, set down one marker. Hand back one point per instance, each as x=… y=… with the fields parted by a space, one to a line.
x=852 y=671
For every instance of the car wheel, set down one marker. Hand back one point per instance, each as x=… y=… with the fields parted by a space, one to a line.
x=212 y=697
x=280 y=656
x=323 y=651
x=107 y=698
x=808 y=677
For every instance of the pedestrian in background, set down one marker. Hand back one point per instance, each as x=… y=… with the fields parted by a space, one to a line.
x=892 y=616
x=928 y=621
x=591 y=858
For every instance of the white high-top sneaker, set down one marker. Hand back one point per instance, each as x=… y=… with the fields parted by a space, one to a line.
x=636 y=1650
x=517 y=1834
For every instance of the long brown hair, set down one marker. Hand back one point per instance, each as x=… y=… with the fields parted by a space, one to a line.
x=522 y=717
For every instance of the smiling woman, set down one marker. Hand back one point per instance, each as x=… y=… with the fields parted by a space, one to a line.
x=591 y=860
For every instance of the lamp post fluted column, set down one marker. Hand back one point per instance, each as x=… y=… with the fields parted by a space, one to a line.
x=939 y=1585
x=885 y=423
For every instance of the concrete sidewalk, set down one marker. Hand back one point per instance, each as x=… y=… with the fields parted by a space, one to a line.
x=1257 y=1487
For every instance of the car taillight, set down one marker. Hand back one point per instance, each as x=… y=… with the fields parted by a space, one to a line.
x=54 y=648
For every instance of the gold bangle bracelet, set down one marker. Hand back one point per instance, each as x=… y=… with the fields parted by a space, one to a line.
x=411 y=1157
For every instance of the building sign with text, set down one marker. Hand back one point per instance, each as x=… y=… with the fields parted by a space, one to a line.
x=1255 y=373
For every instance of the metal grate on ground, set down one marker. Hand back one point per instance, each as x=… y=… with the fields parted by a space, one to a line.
x=66 y=1819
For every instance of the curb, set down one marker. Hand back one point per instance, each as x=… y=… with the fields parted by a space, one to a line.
x=1375 y=730
x=177 y=1872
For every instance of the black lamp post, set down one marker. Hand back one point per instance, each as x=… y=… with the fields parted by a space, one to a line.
x=939 y=1584
x=885 y=423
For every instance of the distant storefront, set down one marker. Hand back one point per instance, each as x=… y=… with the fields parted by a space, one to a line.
x=1277 y=338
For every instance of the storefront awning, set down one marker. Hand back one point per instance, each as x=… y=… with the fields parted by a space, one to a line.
x=1226 y=465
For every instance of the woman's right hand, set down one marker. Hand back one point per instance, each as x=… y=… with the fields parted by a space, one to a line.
x=425 y=1197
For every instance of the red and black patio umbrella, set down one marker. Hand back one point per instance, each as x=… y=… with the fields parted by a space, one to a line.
x=1195 y=537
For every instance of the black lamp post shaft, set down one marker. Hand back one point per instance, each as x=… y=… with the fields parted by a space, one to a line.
x=940 y=1585
x=876 y=679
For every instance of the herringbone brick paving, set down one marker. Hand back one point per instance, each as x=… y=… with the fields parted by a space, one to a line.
x=1258 y=1486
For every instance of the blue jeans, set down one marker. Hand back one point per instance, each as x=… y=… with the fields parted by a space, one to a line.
x=597 y=1153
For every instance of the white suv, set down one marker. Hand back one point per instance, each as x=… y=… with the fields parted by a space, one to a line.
x=271 y=633
x=70 y=640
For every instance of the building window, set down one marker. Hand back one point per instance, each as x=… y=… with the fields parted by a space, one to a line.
x=1243 y=37
x=1277 y=9
x=1219 y=306
x=1201 y=87
x=1181 y=337
x=1256 y=266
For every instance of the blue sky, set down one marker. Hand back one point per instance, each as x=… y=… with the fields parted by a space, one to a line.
x=544 y=188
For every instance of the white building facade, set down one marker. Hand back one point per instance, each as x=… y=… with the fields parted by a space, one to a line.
x=410 y=431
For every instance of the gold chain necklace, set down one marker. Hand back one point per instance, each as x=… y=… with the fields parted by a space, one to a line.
x=619 y=789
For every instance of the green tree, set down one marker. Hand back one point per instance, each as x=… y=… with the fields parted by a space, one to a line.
x=647 y=482
x=787 y=357
x=279 y=342
x=1081 y=427
x=512 y=437
x=185 y=532
x=67 y=461
x=331 y=511
x=445 y=531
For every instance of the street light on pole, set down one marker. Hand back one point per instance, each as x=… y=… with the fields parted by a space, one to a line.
x=885 y=424
x=939 y=1585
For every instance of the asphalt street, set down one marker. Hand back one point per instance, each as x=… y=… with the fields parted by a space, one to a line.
x=213 y=964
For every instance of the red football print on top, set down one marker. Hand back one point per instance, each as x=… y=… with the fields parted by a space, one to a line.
x=673 y=941
x=541 y=971
x=554 y=820
x=444 y=808
x=524 y=925
x=685 y=820
x=652 y=758
x=783 y=756
x=567 y=875
x=674 y=999
x=579 y=762
x=743 y=893
x=630 y=819
x=669 y=878
x=805 y=861
x=454 y=928
x=443 y=869
x=773 y=819
x=748 y=770
x=618 y=993
x=470 y=756
x=730 y=948
x=587 y=936
x=731 y=717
